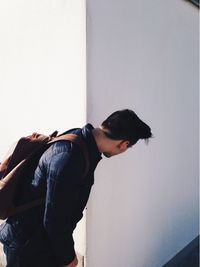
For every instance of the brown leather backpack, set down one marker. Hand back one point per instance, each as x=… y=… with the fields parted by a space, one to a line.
x=28 y=150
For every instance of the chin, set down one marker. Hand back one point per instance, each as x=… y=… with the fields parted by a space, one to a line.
x=107 y=155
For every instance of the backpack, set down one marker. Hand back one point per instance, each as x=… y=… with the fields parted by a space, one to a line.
x=21 y=161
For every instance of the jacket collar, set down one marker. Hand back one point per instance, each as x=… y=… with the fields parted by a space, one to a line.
x=95 y=154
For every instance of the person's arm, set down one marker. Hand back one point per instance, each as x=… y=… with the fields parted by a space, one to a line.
x=64 y=173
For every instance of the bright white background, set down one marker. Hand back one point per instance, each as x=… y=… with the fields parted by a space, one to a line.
x=42 y=67
x=42 y=70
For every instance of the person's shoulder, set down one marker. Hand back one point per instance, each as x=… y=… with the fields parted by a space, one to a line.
x=56 y=151
x=65 y=148
x=62 y=146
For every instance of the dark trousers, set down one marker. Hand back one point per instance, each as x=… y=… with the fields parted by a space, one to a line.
x=11 y=257
x=34 y=254
x=15 y=259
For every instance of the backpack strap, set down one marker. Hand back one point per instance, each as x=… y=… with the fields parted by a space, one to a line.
x=79 y=141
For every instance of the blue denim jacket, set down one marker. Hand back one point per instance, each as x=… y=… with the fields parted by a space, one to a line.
x=59 y=173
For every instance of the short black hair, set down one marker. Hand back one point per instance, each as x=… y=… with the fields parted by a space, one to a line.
x=126 y=125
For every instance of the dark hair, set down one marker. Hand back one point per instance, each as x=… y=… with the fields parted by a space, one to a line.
x=126 y=125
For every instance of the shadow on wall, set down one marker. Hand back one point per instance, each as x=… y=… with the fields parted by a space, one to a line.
x=188 y=257
x=168 y=252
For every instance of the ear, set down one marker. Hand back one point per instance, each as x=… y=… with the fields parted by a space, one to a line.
x=124 y=145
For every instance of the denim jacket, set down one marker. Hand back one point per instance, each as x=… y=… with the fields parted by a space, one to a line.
x=59 y=174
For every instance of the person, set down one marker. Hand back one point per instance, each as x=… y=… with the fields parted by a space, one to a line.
x=42 y=236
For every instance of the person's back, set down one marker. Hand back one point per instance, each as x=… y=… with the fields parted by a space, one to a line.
x=42 y=236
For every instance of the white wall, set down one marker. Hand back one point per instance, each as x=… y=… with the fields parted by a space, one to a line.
x=42 y=67
x=42 y=71
x=144 y=55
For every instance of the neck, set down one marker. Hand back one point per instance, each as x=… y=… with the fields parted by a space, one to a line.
x=99 y=138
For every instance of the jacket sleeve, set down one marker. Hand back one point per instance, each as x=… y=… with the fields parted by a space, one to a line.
x=65 y=168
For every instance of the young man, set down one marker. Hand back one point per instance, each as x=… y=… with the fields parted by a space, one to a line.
x=42 y=236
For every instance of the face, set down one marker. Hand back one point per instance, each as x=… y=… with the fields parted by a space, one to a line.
x=116 y=148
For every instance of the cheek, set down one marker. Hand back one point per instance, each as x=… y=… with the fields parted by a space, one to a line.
x=123 y=149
